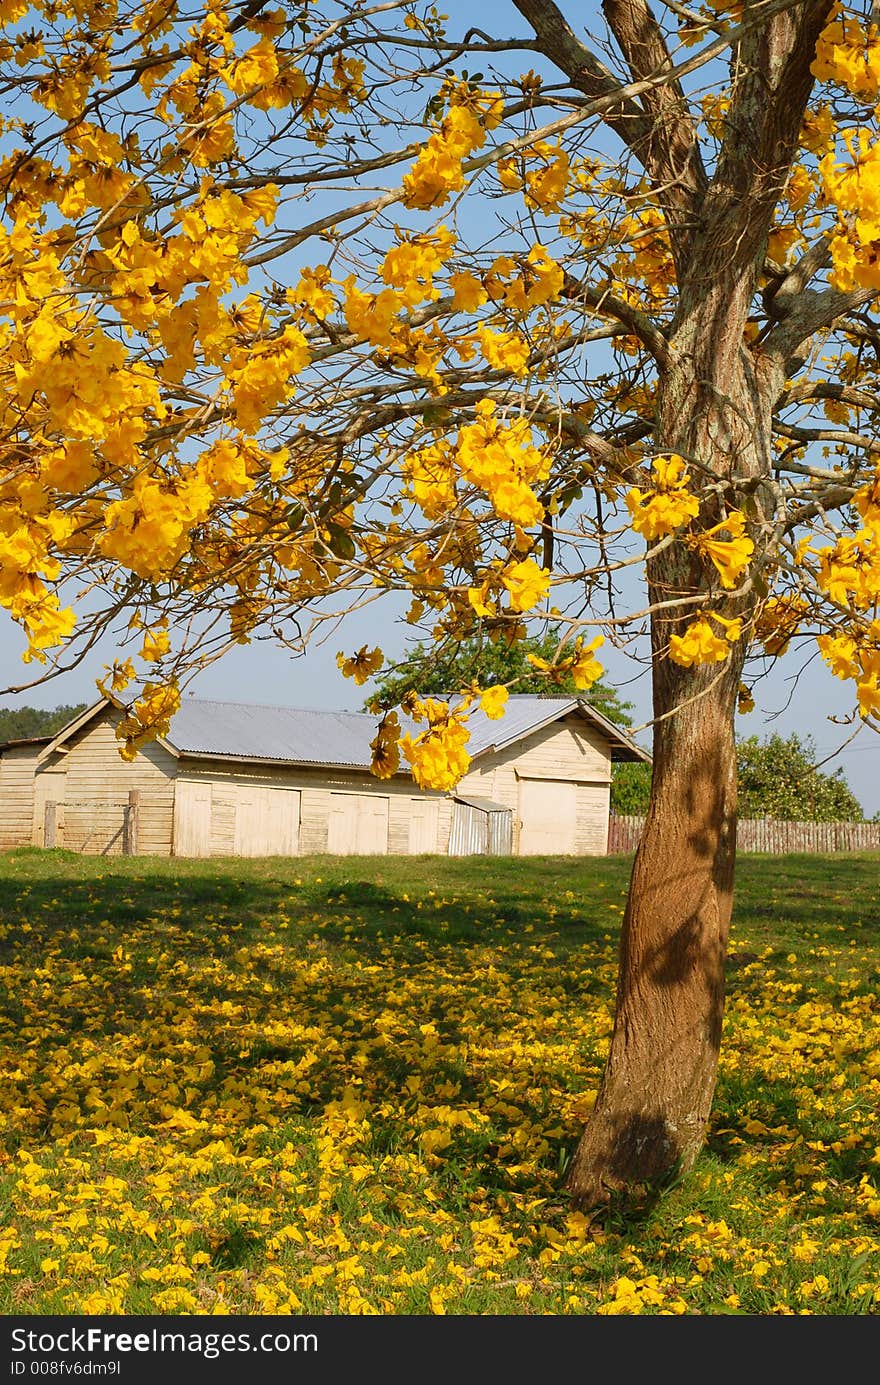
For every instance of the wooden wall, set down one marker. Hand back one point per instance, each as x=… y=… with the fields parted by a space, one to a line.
x=17 y=765
x=221 y=803
x=319 y=791
x=569 y=752
x=91 y=779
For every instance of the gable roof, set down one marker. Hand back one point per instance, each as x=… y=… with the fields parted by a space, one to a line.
x=249 y=731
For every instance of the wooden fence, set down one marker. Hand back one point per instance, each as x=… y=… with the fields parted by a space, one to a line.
x=771 y=835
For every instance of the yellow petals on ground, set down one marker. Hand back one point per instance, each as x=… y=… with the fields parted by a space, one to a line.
x=336 y=1087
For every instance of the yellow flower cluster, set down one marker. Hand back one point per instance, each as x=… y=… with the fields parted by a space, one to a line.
x=437 y=172
x=848 y=54
x=411 y=264
x=27 y=544
x=778 y=621
x=850 y=570
x=545 y=187
x=493 y=701
x=504 y=350
x=149 y=529
x=430 y=476
x=667 y=504
x=581 y=664
x=701 y=645
x=520 y=284
x=856 y=656
x=499 y=456
x=526 y=583
x=730 y=557
x=437 y=756
x=362 y=665
x=854 y=189
x=149 y=716
x=385 y=748
x=260 y=375
x=585 y=668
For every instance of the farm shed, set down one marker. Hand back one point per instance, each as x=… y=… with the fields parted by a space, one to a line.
x=237 y=779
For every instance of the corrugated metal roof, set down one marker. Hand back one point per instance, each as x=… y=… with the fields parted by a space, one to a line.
x=485 y=805
x=297 y=735
x=249 y=731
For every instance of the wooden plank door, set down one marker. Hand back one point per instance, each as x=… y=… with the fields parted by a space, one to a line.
x=548 y=817
x=192 y=817
x=266 y=821
x=357 y=825
x=424 y=825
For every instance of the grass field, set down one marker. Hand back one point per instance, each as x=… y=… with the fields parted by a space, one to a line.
x=352 y=1086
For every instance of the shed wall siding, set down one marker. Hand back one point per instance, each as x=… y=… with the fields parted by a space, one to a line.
x=17 y=765
x=315 y=787
x=570 y=751
x=96 y=784
x=92 y=782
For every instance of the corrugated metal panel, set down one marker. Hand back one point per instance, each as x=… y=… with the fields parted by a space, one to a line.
x=501 y=833
x=485 y=804
x=480 y=828
x=308 y=737
x=245 y=731
x=468 y=834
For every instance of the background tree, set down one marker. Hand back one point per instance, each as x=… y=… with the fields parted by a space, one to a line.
x=776 y=778
x=779 y=779
x=430 y=672
x=18 y=723
x=303 y=304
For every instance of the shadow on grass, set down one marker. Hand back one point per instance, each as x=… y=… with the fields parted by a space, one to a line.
x=456 y=945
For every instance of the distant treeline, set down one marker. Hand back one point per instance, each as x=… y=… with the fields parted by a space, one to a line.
x=19 y=723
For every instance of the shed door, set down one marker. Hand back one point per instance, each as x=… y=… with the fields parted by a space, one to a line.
x=192 y=818
x=358 y=825
x=424 y=825
x=266 y=821
x=548 y=817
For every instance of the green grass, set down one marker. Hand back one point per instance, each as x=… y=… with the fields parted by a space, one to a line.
x=353 y=1085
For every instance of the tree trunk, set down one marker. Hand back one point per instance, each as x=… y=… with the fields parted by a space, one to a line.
x=656 y=1093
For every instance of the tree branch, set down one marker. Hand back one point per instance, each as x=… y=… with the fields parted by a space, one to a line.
x=659 y=132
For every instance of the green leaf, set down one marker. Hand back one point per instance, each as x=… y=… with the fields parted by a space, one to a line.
x=340 y=543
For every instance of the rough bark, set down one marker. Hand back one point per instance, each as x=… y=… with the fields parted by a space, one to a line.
x=656 y=1093
x=716 y=394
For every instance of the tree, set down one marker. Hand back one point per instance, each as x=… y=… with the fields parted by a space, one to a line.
x=429 y=672
x=306 y=304
x=779 y=779
x=19 y=723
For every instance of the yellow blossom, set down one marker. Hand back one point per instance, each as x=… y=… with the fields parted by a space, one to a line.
x=362 y=665
x=527 y=584
x=493 y=701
